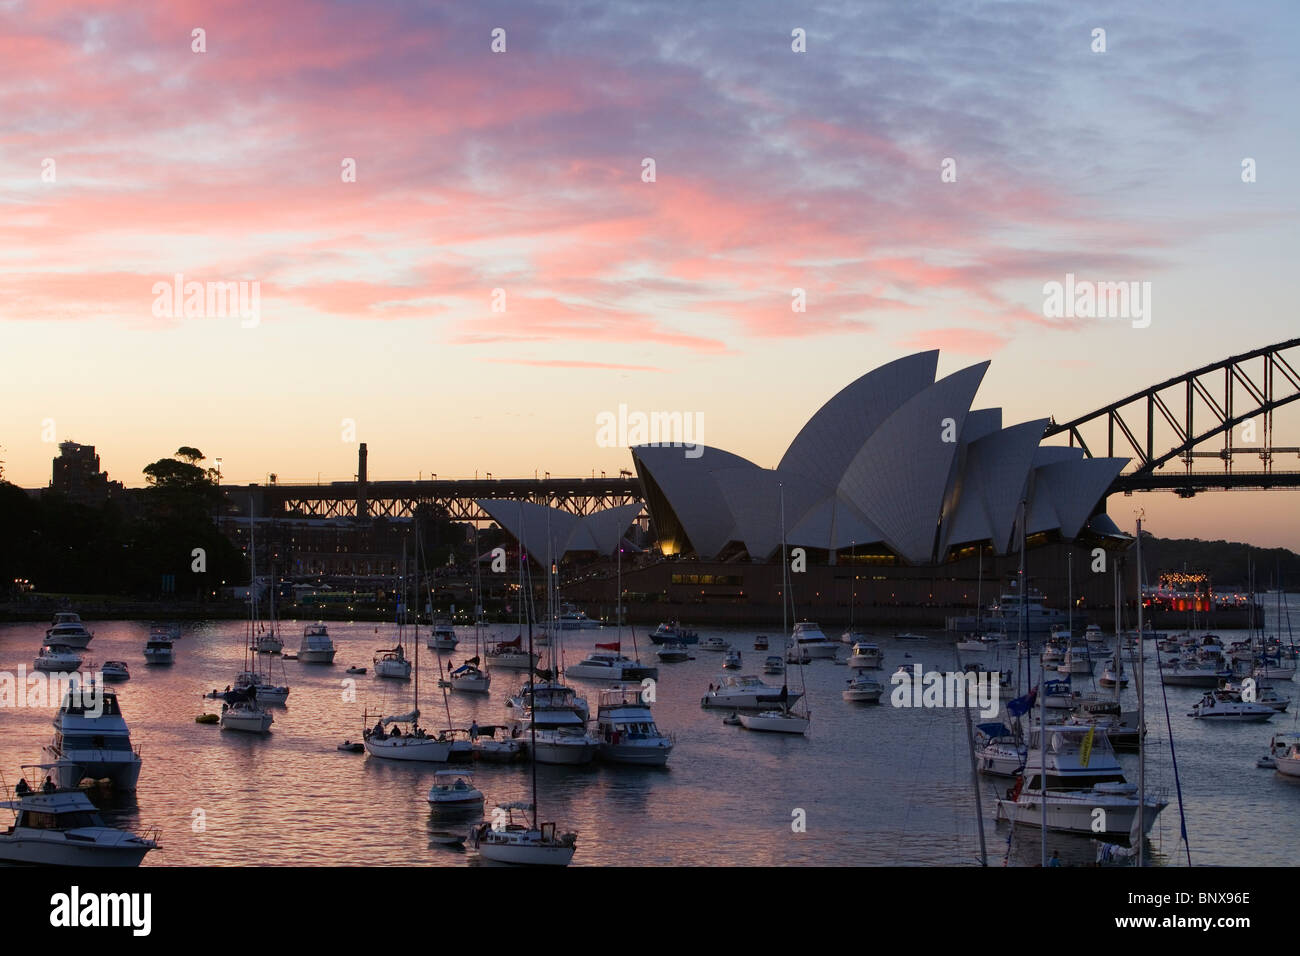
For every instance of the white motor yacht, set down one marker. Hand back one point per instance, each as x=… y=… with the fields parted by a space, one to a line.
x=1265 y=693
x=1193 y=673
x=673 y=631
x=454 y=790
x=809 y=639
x=746 y=692
x=67 y=629
x=92 y=741
x=392 y=663
x=61 y=827
x=731 y=660
x=522 y=843
x=626 y=729
x=1093 y=634
x=1225 y=706
x=866 y=656
x=773 y=664
x=558 y=719
x=57 y=658
x=863 y=689
x=316 y=646
x=442 y=637
x=159 y=650
x=1076 y=787
x=713 y=644
x=671 y=652
x=610 y=665
x=115 y=671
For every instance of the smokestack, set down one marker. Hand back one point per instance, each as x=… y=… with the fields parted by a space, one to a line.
x=363 y=505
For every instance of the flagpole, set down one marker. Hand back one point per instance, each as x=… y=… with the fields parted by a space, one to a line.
x=1141 y=688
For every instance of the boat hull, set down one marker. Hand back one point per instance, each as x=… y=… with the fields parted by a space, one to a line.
x=1076 y=814
x=316 y=657
x=526 y=854
x=247 y=723
x=564 y=753
x=774 y=725
x=411 y=749
x=71 y=769
x=649 y=756
x=56 y=851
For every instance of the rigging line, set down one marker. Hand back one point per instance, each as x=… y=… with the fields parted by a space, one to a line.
x=1182 y=816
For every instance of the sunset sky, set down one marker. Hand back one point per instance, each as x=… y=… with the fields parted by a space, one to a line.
x=522 y=171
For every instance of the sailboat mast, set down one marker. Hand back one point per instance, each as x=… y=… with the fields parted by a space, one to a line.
x=1141 y=688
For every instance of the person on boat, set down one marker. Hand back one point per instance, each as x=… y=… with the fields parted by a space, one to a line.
x=473 y=730
x=23 y=788
x=379 y=728
x=48 y=786
x=397 y=731
x=1055 y=859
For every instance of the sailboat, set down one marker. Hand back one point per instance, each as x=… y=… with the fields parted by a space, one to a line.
x=415 y=744
x=504 y=840
x=470 y=677
x=784 y=720
x=240 y=709
x=268 y=641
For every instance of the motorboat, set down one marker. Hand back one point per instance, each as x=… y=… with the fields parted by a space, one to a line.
x=392 y=663
x=999 y=751
x=773 y=664
x=775 y=722
x=731 y=660
x=672 y=652
x=850 y=636
x=866 y=656
x=673 y=631
x=115 y=671
x=626 y=729
x=552 y=720
x=1275 y=668
x=316 y=646
x=522 y=843
x=56 y=826
x=454 y=790
x=92 y=741
x=714 y=644
x=1188 y=672
x=571 y=619
x=862 y=689
x=610 y=665
x=1053 y=652
x=469 y=678
x=1083 y=775
x=159 y=649
x=67 y=629
x=510 y=655
x=809 y=639
x=1093 y=634
x=442 y=637
x=1014 y=611
x=747 y=692
x=57 y=658
x=796 y=655
x=386 y=740
x=760 y=643
x=351 y=747
x=1264 y=693
x=1228 y=707
x=356 y=670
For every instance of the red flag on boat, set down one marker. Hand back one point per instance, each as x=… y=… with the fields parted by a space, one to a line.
x=609 y=647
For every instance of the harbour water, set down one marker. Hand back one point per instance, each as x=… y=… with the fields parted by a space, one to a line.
x=878 y=785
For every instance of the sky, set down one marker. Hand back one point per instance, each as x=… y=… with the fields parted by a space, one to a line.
x=502 y=269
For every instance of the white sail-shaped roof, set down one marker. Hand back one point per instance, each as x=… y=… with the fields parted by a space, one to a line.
x=827 y=443
x=547 y=531
x=1076 y=487
x=899 y=475
x=696 y=499
x=993 y=484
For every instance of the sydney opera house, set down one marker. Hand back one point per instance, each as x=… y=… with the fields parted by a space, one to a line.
x=903 y=497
